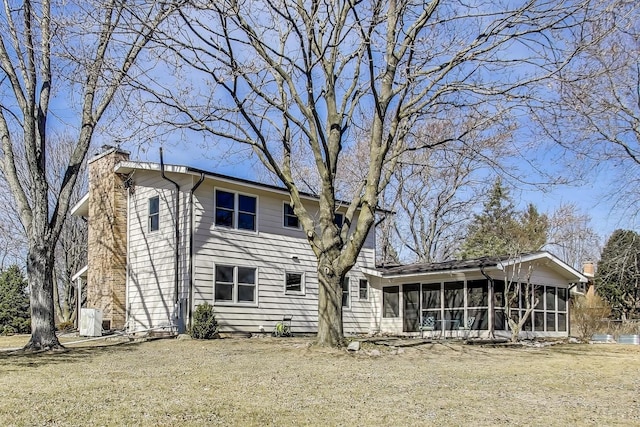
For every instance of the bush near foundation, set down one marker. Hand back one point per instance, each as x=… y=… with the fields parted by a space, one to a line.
x=589 y=315
x=205 y=325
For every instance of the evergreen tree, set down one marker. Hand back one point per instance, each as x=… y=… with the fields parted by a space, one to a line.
x=501 y=230
x=14 y=302
x=533 y=230
x=618 y=275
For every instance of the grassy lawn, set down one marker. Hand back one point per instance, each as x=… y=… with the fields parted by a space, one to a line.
x=269 y=381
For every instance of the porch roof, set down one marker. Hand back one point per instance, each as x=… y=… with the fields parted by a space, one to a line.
x=479 y=264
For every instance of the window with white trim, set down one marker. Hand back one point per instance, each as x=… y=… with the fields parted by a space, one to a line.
x=235 y=284
x=235 y=210
x=290 y=218
x=346 y=296
x=154 y=213
x=294 y=283
x=363 y=289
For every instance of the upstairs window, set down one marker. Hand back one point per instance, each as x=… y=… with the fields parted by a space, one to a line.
x=154 y=213
x=290 y=218
x=338 y=219
x=346 y=297
x=235 y=210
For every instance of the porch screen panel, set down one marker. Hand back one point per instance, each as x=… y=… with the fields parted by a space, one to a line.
x=481 y=321
x=562 y=299
x=453 y=304
x=478 y=304
x=499 y=319
x=431 y=296
x=391 y=301
x=562 y=310
x=431 y=301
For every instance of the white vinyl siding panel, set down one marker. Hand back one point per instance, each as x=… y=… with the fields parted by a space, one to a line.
x=151 y=256
x=272 y=250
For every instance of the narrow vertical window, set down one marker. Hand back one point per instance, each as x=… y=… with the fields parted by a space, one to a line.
x=338 y=219
x=363 y=288
x=246 y=212
x=345 y=293
x=154 y=213
x=290 y=218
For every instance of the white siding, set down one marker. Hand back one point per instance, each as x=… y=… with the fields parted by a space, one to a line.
x=271 y=250
x=151 y=260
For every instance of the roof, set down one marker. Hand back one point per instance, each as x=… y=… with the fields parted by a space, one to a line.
x=478 y=264
x=125 y=167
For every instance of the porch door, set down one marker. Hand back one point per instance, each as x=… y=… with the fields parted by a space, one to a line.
x=411 y=312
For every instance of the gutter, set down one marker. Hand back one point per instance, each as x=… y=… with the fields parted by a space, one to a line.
x=177 y=234
x=191 y=234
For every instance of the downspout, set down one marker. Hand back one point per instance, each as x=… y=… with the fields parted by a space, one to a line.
x=177 y=234
x=191 y=234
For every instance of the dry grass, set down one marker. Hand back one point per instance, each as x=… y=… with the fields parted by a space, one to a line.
x=268 y=381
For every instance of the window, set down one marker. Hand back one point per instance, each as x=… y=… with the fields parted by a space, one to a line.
x=391 y=301
x=235 y=210
x=363 y=288
x=338 y=219
x=235 y=284
x=225 y=203
x=154 y=213
x=294 y=283
x=346 y=300
x=290 y=218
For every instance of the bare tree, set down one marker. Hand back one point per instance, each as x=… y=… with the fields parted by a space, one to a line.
x=437 y=190
x=520 y=298
x=49 y=52
x=593 y=107
x=571 y=236
x=310 y=77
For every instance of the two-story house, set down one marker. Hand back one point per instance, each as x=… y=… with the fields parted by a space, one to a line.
x=165 y=238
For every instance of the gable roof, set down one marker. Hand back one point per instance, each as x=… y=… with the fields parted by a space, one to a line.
x=478 y=264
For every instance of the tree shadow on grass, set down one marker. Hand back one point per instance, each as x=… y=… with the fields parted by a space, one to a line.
x=20 y=359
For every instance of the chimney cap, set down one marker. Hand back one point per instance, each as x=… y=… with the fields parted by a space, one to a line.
x=109 y=149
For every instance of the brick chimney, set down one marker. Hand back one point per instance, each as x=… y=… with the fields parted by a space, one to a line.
x=107 y=238
x=588 y=269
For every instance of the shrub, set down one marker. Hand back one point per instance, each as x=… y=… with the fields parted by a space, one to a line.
x=205 y=326
x=9 y=330
x=589 y=315
x=67 y=326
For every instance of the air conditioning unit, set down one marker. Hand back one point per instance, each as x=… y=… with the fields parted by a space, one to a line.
x=90 y=322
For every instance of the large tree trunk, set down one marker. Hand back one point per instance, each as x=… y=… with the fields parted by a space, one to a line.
x=329 y=305
x=39 y=274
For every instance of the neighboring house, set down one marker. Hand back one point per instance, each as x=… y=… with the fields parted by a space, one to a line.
x=238 y=246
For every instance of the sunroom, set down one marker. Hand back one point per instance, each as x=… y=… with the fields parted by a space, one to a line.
x=472 y=298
